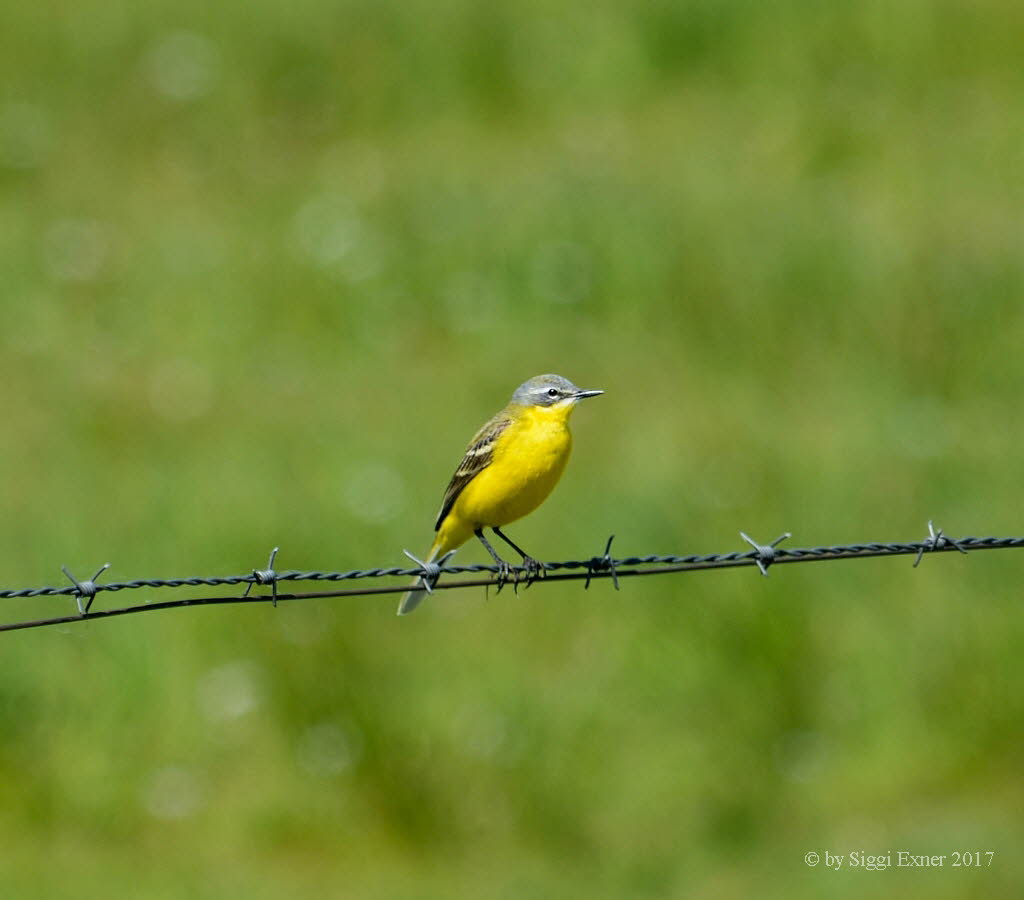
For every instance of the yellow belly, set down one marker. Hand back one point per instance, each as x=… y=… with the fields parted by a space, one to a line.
x=527 y=464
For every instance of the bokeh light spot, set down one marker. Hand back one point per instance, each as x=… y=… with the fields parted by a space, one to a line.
x=76 y=249
x=229 y=691
x=374 y=493
x=182 y=65
x=328 y=748
x=172 y=792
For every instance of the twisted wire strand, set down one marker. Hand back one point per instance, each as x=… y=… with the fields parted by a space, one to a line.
x=596 y=567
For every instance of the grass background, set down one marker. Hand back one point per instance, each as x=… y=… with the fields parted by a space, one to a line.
x=267 y=266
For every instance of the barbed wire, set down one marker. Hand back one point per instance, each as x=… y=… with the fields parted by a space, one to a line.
x=597 y=567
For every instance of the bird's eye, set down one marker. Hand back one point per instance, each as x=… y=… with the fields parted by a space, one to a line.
x=552 y=392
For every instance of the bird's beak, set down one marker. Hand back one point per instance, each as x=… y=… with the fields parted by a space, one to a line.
x=581 y=394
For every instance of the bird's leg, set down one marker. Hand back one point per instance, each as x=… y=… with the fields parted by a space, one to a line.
x=534 y=567
x=504 y=569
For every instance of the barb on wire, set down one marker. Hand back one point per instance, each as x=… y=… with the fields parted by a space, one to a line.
x=430 y=571
x=936 y=540
x=85 y=588
x=762 y=556
x=266 y=576
x=603 y=563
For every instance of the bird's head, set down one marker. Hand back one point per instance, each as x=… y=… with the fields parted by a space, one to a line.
x=550 y=391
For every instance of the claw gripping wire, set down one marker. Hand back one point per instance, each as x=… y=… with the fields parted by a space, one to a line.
x=764 y=554
x=266 y=576
x=85 y=589
x=602 y=564
x=936 y=540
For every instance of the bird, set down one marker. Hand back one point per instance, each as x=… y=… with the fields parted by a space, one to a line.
x=509 y=468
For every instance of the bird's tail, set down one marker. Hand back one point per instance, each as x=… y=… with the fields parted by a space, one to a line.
x=420 y=587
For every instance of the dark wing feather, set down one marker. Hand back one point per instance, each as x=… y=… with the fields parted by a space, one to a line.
x=478 y=457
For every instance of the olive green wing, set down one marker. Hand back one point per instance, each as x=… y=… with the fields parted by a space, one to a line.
x=478 y=457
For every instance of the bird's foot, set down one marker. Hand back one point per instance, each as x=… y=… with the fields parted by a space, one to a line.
x=505 y=574
x=533 y=569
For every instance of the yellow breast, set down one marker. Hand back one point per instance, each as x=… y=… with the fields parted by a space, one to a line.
x=529 y=458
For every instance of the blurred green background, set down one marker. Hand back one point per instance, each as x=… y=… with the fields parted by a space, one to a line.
x=267 y=266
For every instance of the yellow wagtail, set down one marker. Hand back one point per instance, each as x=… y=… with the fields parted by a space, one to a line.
x=509 y=468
